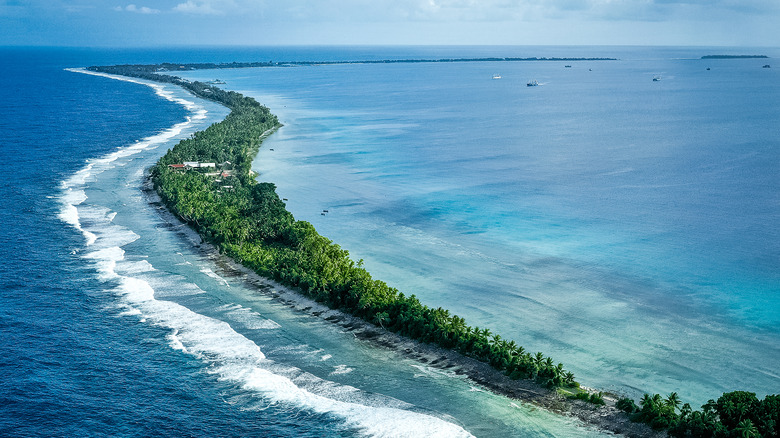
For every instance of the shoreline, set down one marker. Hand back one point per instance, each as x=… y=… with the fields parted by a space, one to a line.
x=605 y=418
x=294 y=257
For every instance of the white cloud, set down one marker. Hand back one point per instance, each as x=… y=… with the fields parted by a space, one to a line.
x=205 y=7
x=136 y=9
x=469 y=11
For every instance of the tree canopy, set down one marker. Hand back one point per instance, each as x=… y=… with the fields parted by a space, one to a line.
x=246 y=220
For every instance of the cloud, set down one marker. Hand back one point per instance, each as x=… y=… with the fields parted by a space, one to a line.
x=607 y=10
x=205 y=7
x=136 y=9
x=660 y=10
x=439 y=12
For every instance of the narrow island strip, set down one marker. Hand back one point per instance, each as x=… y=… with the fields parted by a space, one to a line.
x=734 y=57
x=206 y=181
x=141 y=70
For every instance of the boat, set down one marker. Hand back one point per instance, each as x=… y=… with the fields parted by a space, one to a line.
x=656 y=79
x=567 y=66
x=532 y=83
x=496 y=76
x=766 y=66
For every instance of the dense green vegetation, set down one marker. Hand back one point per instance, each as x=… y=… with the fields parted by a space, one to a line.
x=247 y=221
x=734 y=414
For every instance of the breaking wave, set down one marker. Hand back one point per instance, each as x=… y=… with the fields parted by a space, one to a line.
x=225 y=352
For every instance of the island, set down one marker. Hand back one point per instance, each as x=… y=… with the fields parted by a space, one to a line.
x=206 y=181
x=733 y=56
x=136 y=69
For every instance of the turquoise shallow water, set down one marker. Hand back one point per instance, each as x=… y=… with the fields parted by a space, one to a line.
x=624 y=226
x=115 y=325
x=547 y=214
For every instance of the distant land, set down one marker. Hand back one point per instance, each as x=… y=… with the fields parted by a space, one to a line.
x=732 y=56
x=168 y=66
x=249 y=223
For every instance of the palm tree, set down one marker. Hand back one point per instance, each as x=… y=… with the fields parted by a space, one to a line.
x=646 y=400
x=710 y=406
x=381 y=318
x=746 y=429
x=539 y=359
x=685 y=411
x=548 y=369
x=673 y=401
x=458 y=326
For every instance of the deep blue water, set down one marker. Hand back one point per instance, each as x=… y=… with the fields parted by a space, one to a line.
x=71 y=365
x=115 y=325
x=642 y=265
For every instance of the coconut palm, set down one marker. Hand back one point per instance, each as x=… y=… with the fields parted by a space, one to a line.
x=673 y=401
x=646 y=401
x=746 y=429
x=381 y=318
x=539 y=359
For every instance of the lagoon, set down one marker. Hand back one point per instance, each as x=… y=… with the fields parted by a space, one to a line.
x=619 y=224
x=551 y=218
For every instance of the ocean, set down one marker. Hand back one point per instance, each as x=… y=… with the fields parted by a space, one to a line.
x=624 y=226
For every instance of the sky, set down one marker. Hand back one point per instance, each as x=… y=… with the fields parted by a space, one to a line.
x=134 y=23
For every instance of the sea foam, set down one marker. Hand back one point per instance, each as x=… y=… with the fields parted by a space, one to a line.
x=248 y=318
x=236 y=359
x=228 y=354
x=73 y=193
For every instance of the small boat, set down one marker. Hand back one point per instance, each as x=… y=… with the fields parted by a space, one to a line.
x=567 y=66
x=533 y=83
x=708 y=69
x=656 y=79
x=496 y=76
x=766 y=66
